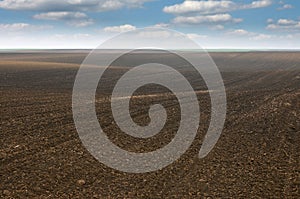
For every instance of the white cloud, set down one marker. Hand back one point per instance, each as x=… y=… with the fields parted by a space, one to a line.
x=74 y=36
x=285 y=6
x=196 y=36
x=155 y=34
x=111 y=5
x=214 y=12
x=202 y=7
x=119 y=29
x=60 y=15
x=218 y=18
x=251 y=35
x=69 y=5
x=77 y=19
x=81 y=23
x=285 y=24
x=15 y=27
x=257 y=4
x=240 y=32
x=261 y=37
x=211 y=7
x=81 y=36
x=291 y=36
x=161 y=25
x=218 y=27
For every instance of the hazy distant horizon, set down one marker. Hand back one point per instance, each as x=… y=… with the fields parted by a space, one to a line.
x=188 y=50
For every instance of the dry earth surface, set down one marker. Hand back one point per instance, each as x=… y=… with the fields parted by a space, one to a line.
x=257 y=156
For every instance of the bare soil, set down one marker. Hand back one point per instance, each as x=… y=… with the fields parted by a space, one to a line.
x=257 y=156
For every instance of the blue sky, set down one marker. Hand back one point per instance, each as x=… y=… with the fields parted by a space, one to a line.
x=242 y=24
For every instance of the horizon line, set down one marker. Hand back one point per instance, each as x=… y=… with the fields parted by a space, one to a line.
x=243 y=49
x=204 y=49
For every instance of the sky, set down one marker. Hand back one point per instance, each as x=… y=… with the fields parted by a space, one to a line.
x=213 y=24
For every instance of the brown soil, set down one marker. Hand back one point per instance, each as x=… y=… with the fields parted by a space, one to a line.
x=257 y=156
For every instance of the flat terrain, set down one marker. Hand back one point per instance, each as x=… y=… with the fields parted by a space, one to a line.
x=257 y=155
